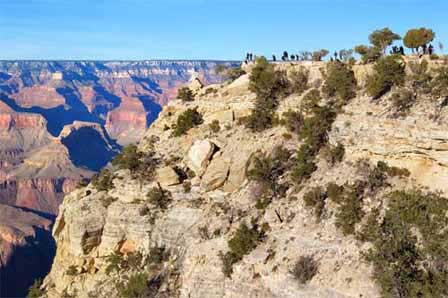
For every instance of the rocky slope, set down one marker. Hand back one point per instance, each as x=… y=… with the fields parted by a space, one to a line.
x=99 y=233
x=60 y=123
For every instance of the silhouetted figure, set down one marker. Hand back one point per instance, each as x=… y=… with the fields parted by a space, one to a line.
x=274 y=58
x=402 y=51
x=424 y=48
x=331 y=59
x=430 y=49
x=286 y=55
x=293 y=57
x=251 y=56
x=336 y=56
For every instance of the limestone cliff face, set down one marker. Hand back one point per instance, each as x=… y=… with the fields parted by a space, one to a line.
x=195 y=228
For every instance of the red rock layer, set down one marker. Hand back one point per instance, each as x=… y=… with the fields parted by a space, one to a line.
x=39 y=96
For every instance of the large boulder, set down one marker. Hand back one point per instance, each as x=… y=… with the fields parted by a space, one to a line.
x=216 y=173
x=199 y=156
x=166 y=176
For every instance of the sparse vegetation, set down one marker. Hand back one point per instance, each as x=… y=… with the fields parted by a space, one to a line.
x=269 y=85
x=305 y=269
x=315 y=199
x=407 y=265
x=310 y=101
x=72 y=270
x=267 y=169
x=103 y=181
x=142 y=165
x=299 y=80
x=214 y=126
x=340 y=82
x=368 y=54
x=402 y=101
x=243 y=242
x=35 y=290
x=333 y=154
x=383 y=38
x=185 y=94
x=186 y=121
x=389 y=71
x=349 y=212
x=292 y=120
x=135 y=286
x=440 y=83
x=159 y=197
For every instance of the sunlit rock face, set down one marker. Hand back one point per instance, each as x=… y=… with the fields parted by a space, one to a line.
x=60 y=122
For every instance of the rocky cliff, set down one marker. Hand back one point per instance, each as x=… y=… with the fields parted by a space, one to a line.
x=172 y=235
x=60 y=122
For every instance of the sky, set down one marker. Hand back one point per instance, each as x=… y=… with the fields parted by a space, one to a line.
x=201 y=29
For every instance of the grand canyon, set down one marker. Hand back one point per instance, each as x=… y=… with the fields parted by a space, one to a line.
x=60 y=123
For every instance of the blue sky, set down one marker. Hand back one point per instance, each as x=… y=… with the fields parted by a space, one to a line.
x=201 y=29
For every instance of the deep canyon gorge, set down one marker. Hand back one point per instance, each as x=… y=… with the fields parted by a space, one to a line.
x=61 y=122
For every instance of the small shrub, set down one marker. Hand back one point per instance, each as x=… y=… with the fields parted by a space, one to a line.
x=187 y=120
x=234 y=73
x=72 y=271
x=187 y=186
x=185 y=94
x=267 y=169
x=389 y=71
x=402 y=101
x=335 y=192
x=420 y=78
x=214 y=126
x=135 y=286
x=315 y=199
x=292 y=120
x=334 y=154
x=434 y=57
x=349 y=212
x=310 y=101
x=440 y=83
x=368 y=54
x=305 y=166
x=305 y=269
x=159 y=197
x=269 y=85
x=242 y=243
x=142 y=165
x=299 y=80
x=35 y=290
x=340 y=82
x=103 y=181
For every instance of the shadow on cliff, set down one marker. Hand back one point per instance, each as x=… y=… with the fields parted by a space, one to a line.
x=28 y=263
x=89 y=149
x=152 y=108
x=59 y=116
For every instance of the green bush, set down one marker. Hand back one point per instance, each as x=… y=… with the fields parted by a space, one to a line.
x=368 y=54
x=340 y=82
x=315 y=128
x=335 y=192
x=304 y=164
x=349 y=211
x=310 y=101
x=440 y=83
x=135 y=286
x=305 y=269
x=266 y=170
x=269 y=85
x=35 y=291
x=299 y=80
x=383 y=38
x=72 y=270
x=142 y=165
x=402 y=101
x=214 y=126
x=389 y=71
x=334 y=154
x=242 y=243
x=234 y=73
x=405 y=266
x=159 y=197
x=103 y=181
x=420 y=77
x=292 y=120
x=315 y=199
x=187 y=120
x=185 y=94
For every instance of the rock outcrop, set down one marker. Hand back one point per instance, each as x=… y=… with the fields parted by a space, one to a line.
x=203 y=210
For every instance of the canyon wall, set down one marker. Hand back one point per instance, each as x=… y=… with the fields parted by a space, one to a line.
x=62 y=121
